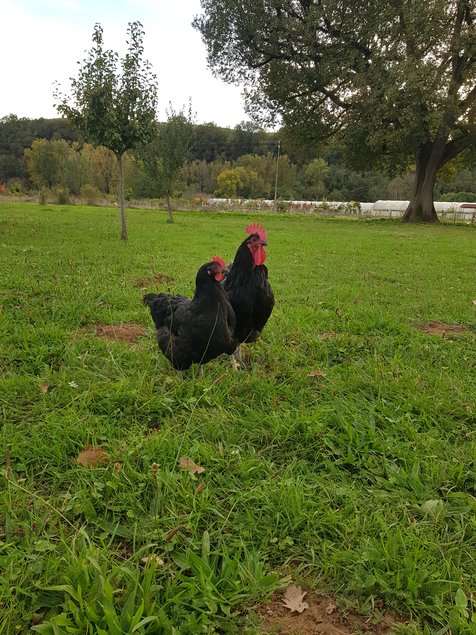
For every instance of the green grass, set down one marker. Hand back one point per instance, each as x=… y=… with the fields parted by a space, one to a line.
x=359 y=483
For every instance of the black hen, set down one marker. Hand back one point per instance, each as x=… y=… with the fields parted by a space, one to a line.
x=247 y=286
x=196 y=330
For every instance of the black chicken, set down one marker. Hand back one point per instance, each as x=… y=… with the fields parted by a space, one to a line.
x=196 y=330
x=248 y=289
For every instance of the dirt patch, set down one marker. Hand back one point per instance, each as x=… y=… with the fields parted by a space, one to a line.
x=127 y=333
x=442 y=328
x=158 y=278
x=321 y=618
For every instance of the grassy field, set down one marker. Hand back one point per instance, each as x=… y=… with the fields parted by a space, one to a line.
x=343 y=459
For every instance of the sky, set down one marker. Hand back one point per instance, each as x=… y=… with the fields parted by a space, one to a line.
x=42 y=41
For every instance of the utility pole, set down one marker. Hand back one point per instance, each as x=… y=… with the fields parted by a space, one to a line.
x=276 y=178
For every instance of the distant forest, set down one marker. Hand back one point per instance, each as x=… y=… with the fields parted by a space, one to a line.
x=46 y=154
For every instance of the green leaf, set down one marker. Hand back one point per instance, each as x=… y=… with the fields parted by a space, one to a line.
x=143 y=622
x=461 y=600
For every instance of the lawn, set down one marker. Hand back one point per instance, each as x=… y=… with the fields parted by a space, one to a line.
x=342 y=460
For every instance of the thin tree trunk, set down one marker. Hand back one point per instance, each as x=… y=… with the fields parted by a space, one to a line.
x=170 y=218
x=120 y=165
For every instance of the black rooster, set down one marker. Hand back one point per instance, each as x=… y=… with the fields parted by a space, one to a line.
x=196 y=330
x=248 y=289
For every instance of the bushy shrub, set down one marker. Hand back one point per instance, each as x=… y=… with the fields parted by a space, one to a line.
x=283 y=207
x=61 y=195
x=15 y=188
x=91 y=194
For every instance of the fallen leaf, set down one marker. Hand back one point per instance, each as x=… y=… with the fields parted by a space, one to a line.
x=173 y=531
x=317 y=373
x=155 y=467
x=293 y=599
x=199 y=487
x=92 y=457
x=186 y=463
x=117 y=467
x=474 y=302
x=44 y=387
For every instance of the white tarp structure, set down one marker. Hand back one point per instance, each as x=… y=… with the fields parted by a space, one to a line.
x=465 y=212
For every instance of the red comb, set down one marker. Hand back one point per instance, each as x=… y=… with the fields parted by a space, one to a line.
x=221 y=262
x=257 y=228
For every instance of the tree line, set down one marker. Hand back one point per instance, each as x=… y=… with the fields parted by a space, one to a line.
x=46 y=154
x=395 y=93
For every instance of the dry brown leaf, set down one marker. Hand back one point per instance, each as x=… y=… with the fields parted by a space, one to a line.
x=330 y=608
x=117 y=467
x=173 y=531
x=293 y=599
x=317 y=373
x=44 y=387
x=199 y=487
x=92 y=457
x=186 y=463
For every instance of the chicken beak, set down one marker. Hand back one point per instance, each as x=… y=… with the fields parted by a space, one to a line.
x=263 y=242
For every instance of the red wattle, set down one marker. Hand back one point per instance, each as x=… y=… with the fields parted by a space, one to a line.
x=219 y=276
x=260 y=256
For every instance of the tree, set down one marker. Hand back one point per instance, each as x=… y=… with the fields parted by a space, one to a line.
x=112 y=108
x=210 y=142
x=166 y=155
x=315 y=175
x=396 y=80
x=46 y=161
x=228 y=182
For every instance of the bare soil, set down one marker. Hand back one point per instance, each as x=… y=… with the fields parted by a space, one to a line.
x=442 y=328
x=127 y=333
x=321 y=618
x=158 y=278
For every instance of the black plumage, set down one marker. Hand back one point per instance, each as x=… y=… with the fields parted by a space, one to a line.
x=248 y=288
x=199 y=329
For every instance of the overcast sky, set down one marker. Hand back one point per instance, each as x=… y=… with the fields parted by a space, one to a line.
x=41 y=42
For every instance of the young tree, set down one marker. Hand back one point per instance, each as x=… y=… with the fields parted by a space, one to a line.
x=166 y=155
x=113 y=108
x=396 y=79
x=46 y=161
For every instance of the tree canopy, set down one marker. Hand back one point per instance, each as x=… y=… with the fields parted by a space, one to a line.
x=112 y=108
x=396 y=80
x=165 y=156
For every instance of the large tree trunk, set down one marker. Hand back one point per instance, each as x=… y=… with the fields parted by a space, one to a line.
x=120 y=166
x=421 y=208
